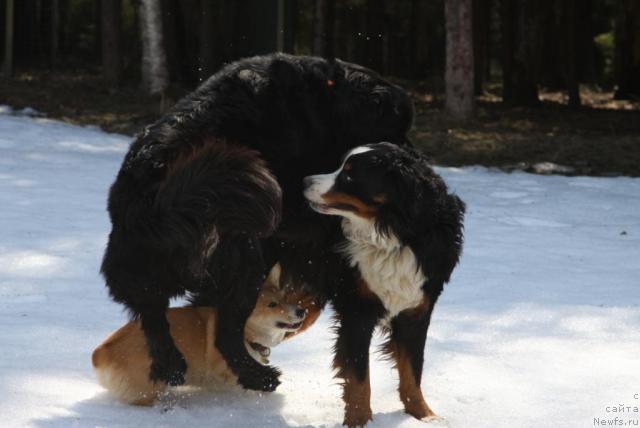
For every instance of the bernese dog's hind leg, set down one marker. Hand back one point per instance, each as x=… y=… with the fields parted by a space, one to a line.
x=238 y=269
x=406 y=348
x=167 y=363
x=357 y=323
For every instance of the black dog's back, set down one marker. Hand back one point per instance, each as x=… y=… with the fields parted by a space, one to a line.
x=301 y=113
x=166 y=233
x=212 y=198
x=191 y=203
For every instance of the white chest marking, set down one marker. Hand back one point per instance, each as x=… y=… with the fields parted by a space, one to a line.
x=389 y=269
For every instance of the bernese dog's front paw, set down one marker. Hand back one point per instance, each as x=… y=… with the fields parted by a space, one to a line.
x=419 y=409
x=357 y=418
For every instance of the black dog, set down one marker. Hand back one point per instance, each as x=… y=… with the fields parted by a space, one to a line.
x=195 y=208
x=403 y=235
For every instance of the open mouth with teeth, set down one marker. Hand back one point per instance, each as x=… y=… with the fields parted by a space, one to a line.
x=294 y=326
x=264 y=351
x=323 y=208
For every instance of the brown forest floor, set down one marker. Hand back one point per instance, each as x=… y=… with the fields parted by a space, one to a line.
x=602 y=138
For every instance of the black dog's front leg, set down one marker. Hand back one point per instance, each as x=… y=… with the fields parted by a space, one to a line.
x=167 y=363
x=240 y=272
x=357 y=320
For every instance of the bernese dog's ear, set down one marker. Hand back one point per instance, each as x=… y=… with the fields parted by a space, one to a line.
x=400 y=217
x=439 y=247
x=429 y=220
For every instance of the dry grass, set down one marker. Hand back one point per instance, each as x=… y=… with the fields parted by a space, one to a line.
x=81 y=98
x=602 y=138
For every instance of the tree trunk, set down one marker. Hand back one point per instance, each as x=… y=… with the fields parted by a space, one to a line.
x=170 y=18
x=55 y=32
x=7 y=66
x=387 y=52
x=481 y=26
x=64 y=44
x=208 y=29
x=111 y=54
x=414 y=23
x=460 y=101
x=521 y=52
x=586 y=44
x=571 y=52
x=155 y=77
x=97 y=33
x=323 y=28
x=40 y=51
x=627 y=49
x=552 y=73
x=285 y=25
x=374 y=33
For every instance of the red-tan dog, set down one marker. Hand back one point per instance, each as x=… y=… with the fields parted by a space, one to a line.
x=122 y=361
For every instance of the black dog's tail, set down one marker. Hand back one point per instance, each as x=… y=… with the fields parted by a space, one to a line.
x=215 y=190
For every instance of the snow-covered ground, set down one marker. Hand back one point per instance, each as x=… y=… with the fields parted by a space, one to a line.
x=539 y=327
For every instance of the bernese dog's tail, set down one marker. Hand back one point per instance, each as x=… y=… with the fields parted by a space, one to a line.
x=215 y=190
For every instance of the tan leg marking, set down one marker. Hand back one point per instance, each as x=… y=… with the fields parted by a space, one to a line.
x=410 y=392
x=357 y=397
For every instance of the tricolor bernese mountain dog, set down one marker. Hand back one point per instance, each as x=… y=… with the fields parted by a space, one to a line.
x=210 y=197
x=403 y=235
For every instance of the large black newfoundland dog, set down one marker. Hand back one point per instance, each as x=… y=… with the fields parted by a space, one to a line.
x=210 y=197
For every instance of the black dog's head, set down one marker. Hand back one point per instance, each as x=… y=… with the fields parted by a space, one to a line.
x=355 y=103
x=366 y=107
x=395 y=192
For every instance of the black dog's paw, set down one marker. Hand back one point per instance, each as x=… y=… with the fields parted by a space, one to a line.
x=170 y=370
x=260 y=378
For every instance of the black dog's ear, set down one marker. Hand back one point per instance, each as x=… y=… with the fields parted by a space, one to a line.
x=284 y=73
x=335 y=72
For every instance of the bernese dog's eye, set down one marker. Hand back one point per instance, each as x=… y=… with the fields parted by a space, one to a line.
x=347 y=177
x=272 y=304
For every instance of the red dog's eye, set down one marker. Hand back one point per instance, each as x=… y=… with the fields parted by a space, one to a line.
x=273 y=304
x=330 y=82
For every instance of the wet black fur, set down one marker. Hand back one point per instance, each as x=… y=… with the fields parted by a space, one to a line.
x=194 y=212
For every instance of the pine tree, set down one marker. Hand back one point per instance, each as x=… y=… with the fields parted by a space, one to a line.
x=460 y=101
x=155 y=77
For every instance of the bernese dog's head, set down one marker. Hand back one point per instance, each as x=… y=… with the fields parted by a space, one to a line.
x=392 y=192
